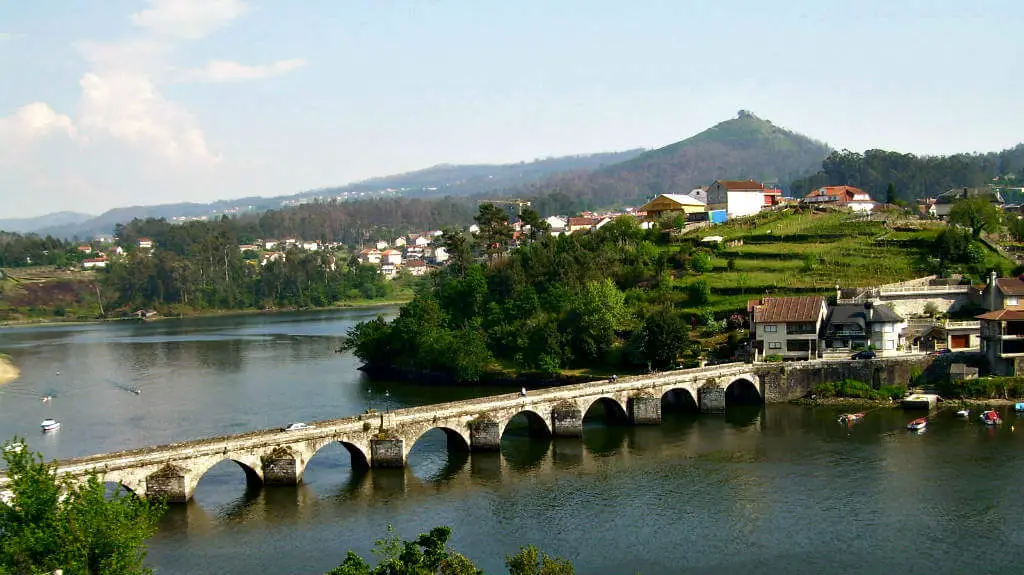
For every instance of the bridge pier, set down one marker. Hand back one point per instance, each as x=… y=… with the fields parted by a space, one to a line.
x=282 y=467
x=171 y=483
x=712 y=399
x=484 y=435
x=566 y=421
x=387 y=453
x=644 y=410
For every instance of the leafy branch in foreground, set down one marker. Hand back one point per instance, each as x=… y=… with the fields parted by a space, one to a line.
x=52 y=523
x=429 y=554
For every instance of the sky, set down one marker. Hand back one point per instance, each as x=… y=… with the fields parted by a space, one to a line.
x=138 y=102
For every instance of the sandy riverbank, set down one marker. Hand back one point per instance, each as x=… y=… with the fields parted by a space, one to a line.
x=8 y=371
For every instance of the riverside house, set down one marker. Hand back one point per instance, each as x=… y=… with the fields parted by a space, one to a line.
x=853 y=327
x=787 y=326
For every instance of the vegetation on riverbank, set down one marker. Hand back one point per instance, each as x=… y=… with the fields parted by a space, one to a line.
x=53 y=523
x=429 y=554
x=853 y=389
x=994 y=387
x=624 y=298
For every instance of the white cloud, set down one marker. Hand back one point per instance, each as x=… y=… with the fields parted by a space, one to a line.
x=127 y=106
x=33 y=121
x=189 y=19
x=227 y=71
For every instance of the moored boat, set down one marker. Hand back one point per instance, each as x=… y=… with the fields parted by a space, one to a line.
x=918 y=424
x=50 y=425
x=850 y=417
x=963 y=413
x=991 y=417
x=1019 y=406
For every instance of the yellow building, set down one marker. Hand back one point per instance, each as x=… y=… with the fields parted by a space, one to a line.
x=672 y=203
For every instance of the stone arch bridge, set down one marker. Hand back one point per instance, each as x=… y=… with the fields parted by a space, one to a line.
x=275 y=457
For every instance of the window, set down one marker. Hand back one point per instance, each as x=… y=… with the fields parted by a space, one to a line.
x=774 y=344
x=801 y=328
x=1011 y=300
x=798 y=345
x=771 y=328
x=890 y=344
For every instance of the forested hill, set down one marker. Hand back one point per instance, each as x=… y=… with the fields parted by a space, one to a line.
x=740 y=148
x=915 y=177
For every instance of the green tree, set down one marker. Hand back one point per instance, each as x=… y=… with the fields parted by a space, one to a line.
x=698 y=293
x=428 y=554
x=595 y=313
x=495 y=231
x=976 y=214
x=661 y=339
x=701 y=262
x=459 y=249
x=51 y=523
x=890 y=194
x=538 y=226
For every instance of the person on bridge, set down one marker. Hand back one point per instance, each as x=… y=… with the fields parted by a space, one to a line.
x=523 y=392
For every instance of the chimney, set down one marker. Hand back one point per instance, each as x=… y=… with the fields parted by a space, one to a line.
x=869 y=310
x=992 y=290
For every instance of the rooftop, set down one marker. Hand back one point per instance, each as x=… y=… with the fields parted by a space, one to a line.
x=1006 y=314
x=740 y=185
x=788 y=309
x=1010 y=286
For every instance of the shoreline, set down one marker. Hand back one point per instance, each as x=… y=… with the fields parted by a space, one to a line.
x=50 y=322
x=8 y=371
x=945 y=403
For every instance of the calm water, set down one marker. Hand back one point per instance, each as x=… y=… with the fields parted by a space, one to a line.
x=780 y=489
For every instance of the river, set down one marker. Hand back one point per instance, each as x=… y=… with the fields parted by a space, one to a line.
x=779 y=489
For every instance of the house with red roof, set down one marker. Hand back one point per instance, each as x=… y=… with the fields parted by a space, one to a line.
x=841 y=197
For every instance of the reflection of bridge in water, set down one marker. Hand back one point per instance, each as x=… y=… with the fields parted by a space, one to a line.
x=276 y=457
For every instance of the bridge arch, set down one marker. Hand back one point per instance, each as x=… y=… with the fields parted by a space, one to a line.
x=360 y=458
x=537 y=423
x=253 y=473
x=743 y=390
x=456 y=440
x=608 y=409
x=675 y=399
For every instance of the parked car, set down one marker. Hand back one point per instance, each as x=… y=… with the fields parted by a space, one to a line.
x=866 y=354
x=297 y=426
x=940 y=351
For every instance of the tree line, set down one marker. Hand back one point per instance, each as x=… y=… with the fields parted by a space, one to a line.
x=21 y=250
x=198 y=265
x=601 y=298
x=912 y=177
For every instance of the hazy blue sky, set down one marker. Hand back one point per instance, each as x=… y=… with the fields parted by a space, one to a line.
x=121 y=102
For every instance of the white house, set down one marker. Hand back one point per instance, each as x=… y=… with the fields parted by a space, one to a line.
x=311 y=246
x=787 y=326
x=851 y=327
x=558 y=225
x=382 y=245
x=393 y=257
x=145 y=244
x=271 y=257
x=736 y=197
x=269 y=244
x=416 y=267
x=421 y=241
x=388 y=270
x=370 y=256
x=399 y=242
x=473 y=229
x=440 y=255
x=94 y=263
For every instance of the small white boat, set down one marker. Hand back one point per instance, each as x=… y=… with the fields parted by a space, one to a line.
x=47 y=398
x=963 y=413
x=50 y=425
x=918 y=424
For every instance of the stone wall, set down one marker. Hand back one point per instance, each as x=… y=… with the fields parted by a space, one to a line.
x=787 y=381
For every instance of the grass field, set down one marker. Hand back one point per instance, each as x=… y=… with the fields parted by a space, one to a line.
x=793 y=253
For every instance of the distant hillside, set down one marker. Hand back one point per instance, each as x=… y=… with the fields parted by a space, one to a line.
x=438 y=181
x=23 y=225
x=744 y=147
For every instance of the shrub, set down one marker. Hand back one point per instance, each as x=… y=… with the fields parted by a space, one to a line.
x=931 y=309
x=773 y=358
x=701 y=262
x=856 y=389
x=893 y=392
x=699 y=293
x=730 y=264
x=825 y=390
